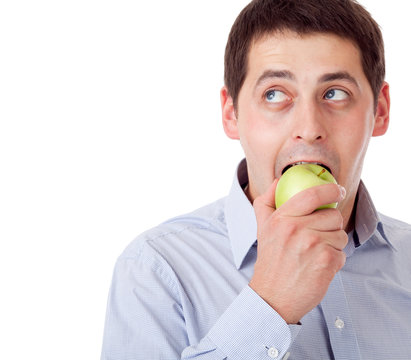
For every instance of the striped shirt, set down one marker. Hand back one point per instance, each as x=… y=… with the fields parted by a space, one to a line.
x=180 y=291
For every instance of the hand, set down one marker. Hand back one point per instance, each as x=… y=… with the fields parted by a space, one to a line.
x=300 y=249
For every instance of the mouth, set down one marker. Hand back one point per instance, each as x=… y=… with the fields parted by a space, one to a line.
x=306 y=162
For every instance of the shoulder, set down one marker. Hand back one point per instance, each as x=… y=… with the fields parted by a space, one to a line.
x=398 y=232
x=393 y=223
x=174 y=236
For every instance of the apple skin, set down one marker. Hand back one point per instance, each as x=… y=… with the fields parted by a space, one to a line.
x=301 y=177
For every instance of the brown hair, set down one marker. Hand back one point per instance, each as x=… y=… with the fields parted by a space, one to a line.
x=345 y=18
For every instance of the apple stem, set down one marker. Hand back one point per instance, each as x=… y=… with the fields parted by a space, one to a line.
x=321 y=172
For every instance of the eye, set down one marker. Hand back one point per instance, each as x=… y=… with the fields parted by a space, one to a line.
x=336 y=95
x=275 y=96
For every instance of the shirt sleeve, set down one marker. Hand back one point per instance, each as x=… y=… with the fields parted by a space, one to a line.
x=248 y=329
x=145 y=320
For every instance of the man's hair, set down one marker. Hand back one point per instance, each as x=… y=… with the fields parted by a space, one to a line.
x=345 y=18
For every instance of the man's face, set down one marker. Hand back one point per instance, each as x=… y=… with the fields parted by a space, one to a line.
x=305 y=99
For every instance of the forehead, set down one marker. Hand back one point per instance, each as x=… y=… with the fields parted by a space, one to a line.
x=304 y=55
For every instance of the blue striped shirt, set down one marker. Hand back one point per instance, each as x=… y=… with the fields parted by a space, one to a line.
x=180 y=291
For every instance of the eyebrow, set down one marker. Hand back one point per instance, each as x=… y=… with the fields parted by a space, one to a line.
x=270 y=74
x=285 y=74
x=341 y=75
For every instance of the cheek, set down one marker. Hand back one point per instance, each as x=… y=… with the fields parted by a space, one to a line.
x=353 y=146
x=260 y=141
x=357 y=133
x=259 y=138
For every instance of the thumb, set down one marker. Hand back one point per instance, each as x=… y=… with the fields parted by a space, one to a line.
x=264 y=205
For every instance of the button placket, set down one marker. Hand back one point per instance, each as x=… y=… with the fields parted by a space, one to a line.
x=337 y=316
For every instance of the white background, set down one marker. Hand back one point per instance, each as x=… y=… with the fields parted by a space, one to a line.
x=110 y=124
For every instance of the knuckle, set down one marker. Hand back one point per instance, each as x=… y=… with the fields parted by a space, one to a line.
x=337 y=216
x=325 y=259
x=332 y=260
x=344 y=238
x=308 y=242
x=333 y=217
x=287 y=226
x=311 y=240
x=341 y=261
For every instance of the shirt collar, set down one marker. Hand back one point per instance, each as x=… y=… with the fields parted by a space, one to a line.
x=242 y=224
x=240 y=216
x=367 y=219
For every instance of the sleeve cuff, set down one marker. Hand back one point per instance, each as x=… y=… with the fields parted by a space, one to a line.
x=250 y=329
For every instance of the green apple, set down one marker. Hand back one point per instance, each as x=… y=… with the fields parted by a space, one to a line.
x=300 y=177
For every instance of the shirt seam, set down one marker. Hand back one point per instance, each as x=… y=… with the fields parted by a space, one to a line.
x=156 y=260
x=386 y=221
x=396 y=227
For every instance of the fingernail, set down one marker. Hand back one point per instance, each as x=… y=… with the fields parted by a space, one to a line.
x=343 y=191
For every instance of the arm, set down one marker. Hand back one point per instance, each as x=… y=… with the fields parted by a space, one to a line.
x=248 y=329
x=145 y=319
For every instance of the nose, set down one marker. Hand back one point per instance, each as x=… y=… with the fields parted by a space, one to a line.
x=309 y=124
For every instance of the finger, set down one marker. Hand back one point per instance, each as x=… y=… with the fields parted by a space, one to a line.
x=325 y=220
x=337 y=239
x=308 y=200
x=333 y=258
x=264 y=205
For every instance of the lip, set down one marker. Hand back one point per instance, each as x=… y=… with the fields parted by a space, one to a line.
x=319 y=162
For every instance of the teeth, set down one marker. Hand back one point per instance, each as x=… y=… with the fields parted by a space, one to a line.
x=306 y=162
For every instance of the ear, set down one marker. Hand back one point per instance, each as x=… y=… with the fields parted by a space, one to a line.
x=382 y=115
x=229 y=115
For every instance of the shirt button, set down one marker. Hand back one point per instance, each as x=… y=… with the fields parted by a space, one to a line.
x=339 y=324
x=272 y=352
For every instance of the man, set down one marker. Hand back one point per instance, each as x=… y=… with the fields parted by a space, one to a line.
x=240 y=279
